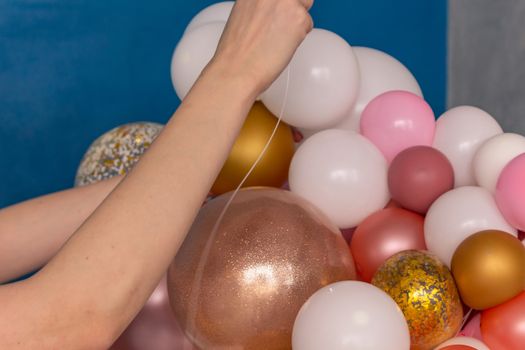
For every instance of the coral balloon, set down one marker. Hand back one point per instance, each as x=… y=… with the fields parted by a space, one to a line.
x=493 y=156
x=380 y=73
x=219 y=12
x=424 y=289
x=502 y=327
x=384 y=234
x=350 y=316
x=465 y=341
x=460 y=132
x=116 y=152
x=323 y=85
x=418 y=176
x=343 y=174
x=459 y=214
x=192 y=54
x=510 y=192
x=272 y=169
x=489 y=269
x=155 y=327
x=272 y=251
x=397 y=120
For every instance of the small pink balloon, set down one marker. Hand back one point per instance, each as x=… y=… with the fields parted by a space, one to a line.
x=397 y=120
x=510 y=192
x=473 y=328
x=155 y=327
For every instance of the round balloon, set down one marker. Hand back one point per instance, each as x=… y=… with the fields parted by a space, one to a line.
x=272 y=251
x=343 y=174
x=424 y=289
x=155 y=327
x=397 y=120
x=192 y=54
x=383 y=234
x=465 y=341
x=510 y=192
x=379 y=73
x=489 y=269
x=493 y=156
x=418 y=176
x=323 y=86
x=272 y=169
x=116 y=152
x=459 y=214
x=219 y=12
x=460 y=132
x=350 y=316
x=502 y=326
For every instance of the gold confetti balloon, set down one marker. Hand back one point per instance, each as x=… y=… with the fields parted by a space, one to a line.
x=425 y=291
x=272 y=251
x=272 y=169
x=116 y=152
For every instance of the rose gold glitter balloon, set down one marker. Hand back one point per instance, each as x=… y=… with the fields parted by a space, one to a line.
x=272 y=251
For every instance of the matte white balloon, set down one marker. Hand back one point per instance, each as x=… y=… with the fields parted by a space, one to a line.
x=324 y=82
x=380 y=73
x=493 y=156
x=460 y=132
x=194 y=51
x=476 y=344
x=343 y=174
x=457 y=215
x=350 y=316
x=219 y=12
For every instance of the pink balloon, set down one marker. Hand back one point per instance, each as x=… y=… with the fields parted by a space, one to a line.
x=397 y=120
x=155 y=327
x=510 y=192
x=473 y=328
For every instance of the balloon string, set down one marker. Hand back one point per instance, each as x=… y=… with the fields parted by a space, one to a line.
x=195 y=290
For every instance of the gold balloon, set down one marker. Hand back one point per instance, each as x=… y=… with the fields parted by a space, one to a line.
x=489 y=268
x=271 y=253
x=272 y=170
x=424 y=289
x=116 y=152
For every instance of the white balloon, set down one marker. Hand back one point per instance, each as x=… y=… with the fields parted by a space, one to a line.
x=324 y=81
x=343 y=174
x=460 y=132
x=476 y=344
x=380 y=73
x=194 y=51
x=457 y=215
x=350 y=316
x=493 y=156
x=219 y=12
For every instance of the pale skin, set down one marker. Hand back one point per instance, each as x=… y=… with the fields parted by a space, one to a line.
x=99 y=280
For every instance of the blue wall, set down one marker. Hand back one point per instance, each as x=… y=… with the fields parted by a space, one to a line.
x=72 y=69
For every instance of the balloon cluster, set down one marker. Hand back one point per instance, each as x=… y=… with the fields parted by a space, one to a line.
x=431 y=211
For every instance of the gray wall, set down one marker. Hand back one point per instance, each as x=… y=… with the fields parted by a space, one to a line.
x=487 y=58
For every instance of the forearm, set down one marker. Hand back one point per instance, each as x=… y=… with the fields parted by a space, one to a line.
x=32 y=232
x=145 y=220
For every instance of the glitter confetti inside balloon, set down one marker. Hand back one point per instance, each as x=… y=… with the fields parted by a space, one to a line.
x=424 y=289
x=115 y=152
x=272 y=251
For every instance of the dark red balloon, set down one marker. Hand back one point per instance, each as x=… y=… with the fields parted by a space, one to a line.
x=155 y=327
x=503 y=327
x=418 y=176
x=383 y=234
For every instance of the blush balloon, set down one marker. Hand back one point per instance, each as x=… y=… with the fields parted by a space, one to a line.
x=458 y=347
x=502 y=327
x=510 y=192
x=155 y=327
x=383 y=234
x=397 y=120
x=418 y=176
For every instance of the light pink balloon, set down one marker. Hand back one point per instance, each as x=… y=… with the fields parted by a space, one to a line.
x=397 y=120
x=473 y=328
x=510 y=192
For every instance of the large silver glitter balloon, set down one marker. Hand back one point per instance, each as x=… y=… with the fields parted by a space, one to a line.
x=116 y=152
